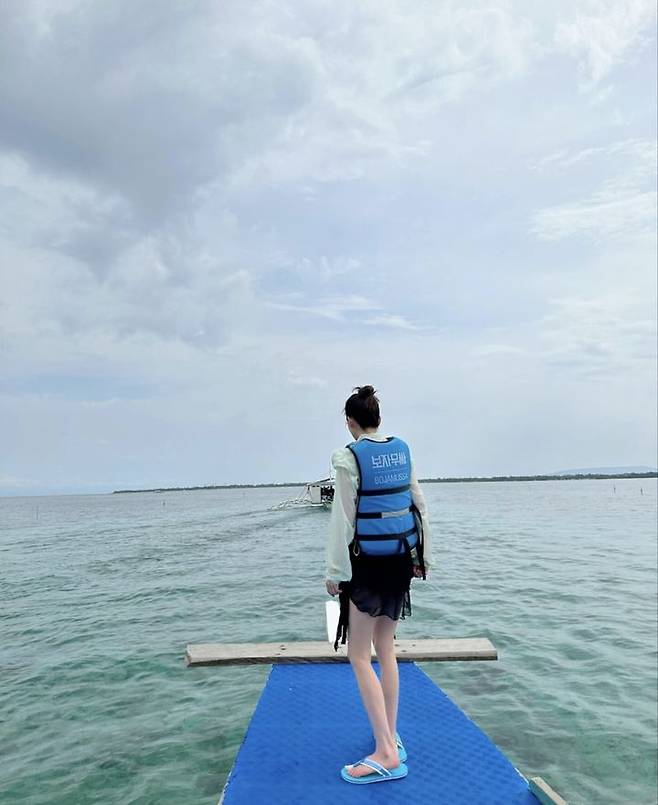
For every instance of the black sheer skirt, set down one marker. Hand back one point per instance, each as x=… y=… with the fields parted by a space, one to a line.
x=380 y=585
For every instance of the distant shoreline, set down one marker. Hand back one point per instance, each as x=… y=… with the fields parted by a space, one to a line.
x=456 y=480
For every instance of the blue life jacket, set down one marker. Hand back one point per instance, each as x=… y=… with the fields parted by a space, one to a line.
x=387 y=522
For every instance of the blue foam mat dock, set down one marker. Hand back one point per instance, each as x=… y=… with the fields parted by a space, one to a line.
x=309 y=722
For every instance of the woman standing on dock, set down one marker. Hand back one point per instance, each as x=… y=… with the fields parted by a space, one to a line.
x=378 y=542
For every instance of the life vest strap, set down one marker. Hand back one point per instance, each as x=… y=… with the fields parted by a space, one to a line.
x=392 y=491
x=383 y=515
x=420 y=543
x=370 y=537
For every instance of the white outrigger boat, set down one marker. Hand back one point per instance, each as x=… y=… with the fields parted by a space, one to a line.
x=315 y=494
x=321 y=493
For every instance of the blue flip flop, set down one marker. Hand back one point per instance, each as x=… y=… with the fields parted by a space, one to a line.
x=402 y=752
x=379 y=775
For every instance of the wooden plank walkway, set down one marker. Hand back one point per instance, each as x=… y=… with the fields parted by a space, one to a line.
x=438 y=650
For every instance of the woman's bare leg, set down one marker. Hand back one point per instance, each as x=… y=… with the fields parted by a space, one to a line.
x=360 y=637
x=383 y=640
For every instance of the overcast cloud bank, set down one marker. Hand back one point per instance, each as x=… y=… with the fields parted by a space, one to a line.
x=215 y=219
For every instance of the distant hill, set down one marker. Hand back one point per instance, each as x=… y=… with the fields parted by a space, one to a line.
x=604 y=470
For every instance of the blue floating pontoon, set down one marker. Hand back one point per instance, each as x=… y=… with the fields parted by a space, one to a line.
x=310 y=721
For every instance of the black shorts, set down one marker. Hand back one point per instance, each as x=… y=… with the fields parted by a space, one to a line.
x=380 y=585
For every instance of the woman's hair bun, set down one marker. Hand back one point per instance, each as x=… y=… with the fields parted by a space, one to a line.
x=363 y=392
x=363 y=406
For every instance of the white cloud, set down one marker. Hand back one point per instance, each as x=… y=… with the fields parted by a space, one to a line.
x=624 y=207
x=600 y=336
x=604 y=335
x=610 y=34
x=610 y=213
x=334 y=309
x=307 y=380
x=498 y=349
x=641 y=154
x=393 y=320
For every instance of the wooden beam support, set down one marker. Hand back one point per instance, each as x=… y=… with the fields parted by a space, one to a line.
x=439 y=650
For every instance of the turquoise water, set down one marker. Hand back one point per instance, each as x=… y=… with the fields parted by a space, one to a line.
x=100 y=595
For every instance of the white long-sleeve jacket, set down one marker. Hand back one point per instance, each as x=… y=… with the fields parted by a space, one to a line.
x=343 y=512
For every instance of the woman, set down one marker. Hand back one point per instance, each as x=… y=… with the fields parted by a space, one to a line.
x=378 y=542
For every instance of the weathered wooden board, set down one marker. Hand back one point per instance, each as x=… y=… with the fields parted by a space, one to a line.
x=544 y=793
x=437 y=650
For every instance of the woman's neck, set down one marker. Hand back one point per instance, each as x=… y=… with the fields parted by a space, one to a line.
x=365 y=432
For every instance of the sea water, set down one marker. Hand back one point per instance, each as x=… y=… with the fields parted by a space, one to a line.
x=100 y=595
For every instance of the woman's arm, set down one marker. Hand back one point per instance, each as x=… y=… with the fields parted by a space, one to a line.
x=419 y=501
x=341 y=523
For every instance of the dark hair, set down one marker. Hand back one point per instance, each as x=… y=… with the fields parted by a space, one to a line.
x=363 y=407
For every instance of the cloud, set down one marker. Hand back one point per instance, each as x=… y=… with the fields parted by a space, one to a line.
x=308 y=381
x=334 y=309
x=393 y=320
x=216 y=219
x=611 y=213
x=498 y=349
x=605 y=335
x=624 y=207
x=381 y=70
x=96 y=95
x=606 y=38
x=585 y=337
x=641 y=154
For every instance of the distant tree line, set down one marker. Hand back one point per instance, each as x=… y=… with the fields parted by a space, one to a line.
x=575 y=477
x=208 y=486
x=455 y=480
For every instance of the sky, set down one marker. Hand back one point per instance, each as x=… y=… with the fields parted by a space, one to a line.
x=216 y=219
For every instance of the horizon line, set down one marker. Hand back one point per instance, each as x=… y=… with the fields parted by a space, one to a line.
x=439 y=479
